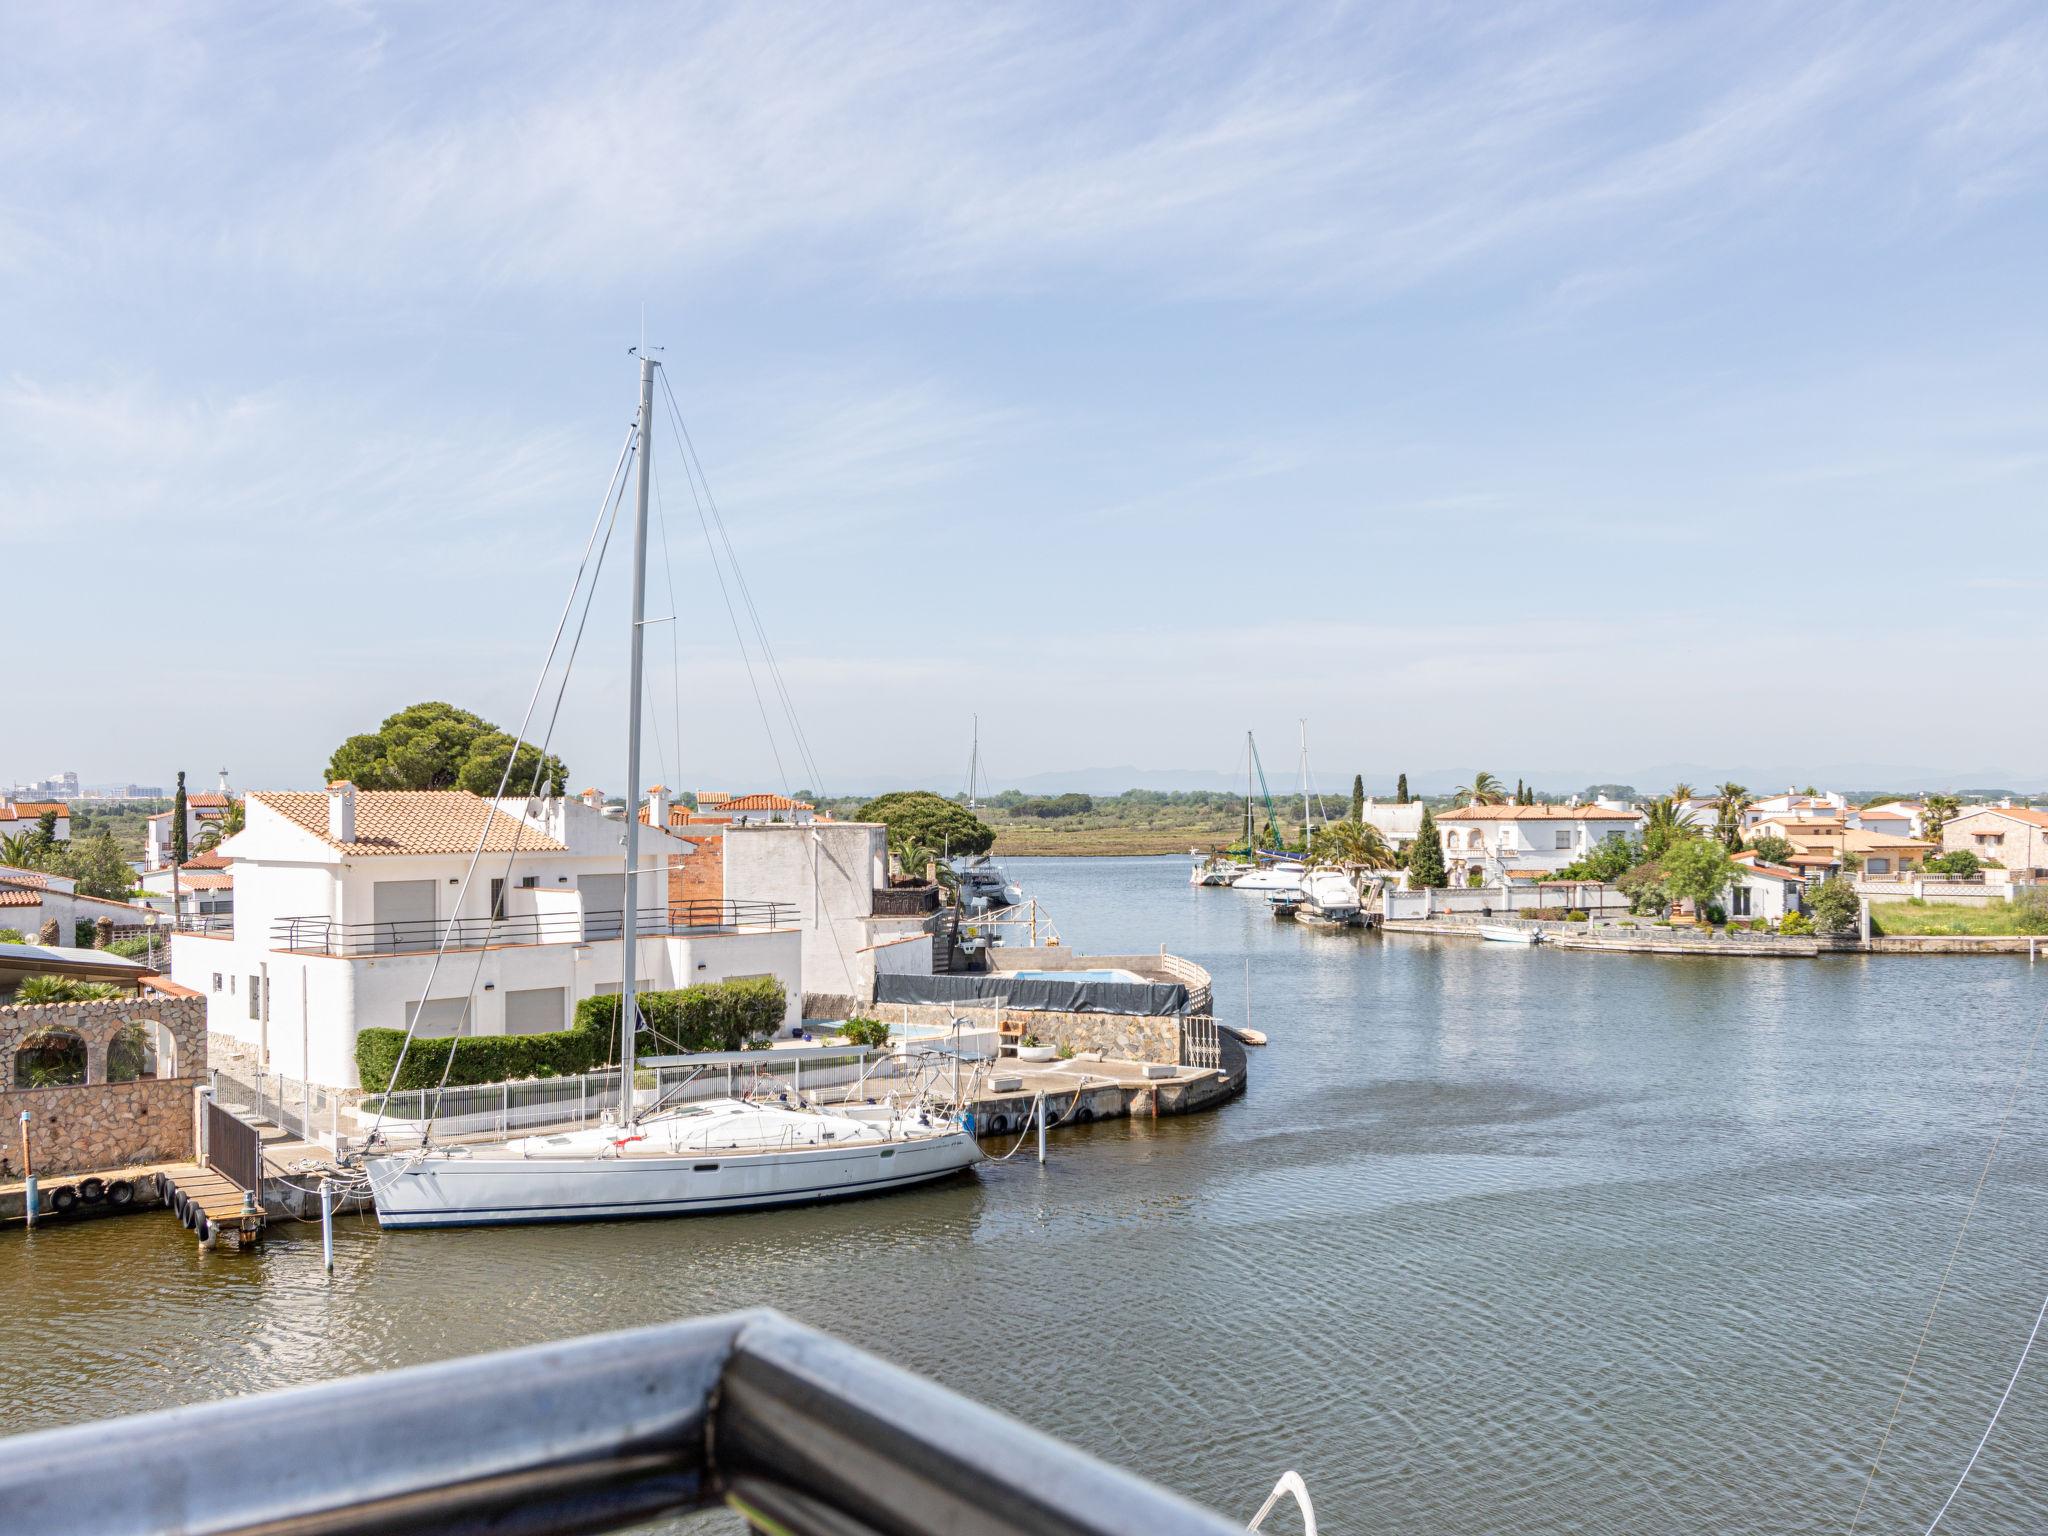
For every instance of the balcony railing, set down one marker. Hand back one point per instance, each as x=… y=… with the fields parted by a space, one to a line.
x=789 y=1428
x=408 y=936
x=219 y=925
x=906 y=900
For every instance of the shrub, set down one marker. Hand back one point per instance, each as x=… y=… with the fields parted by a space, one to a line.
x=1714 y=913
x=1835 y=907
x=137 y=948
x=2030 y=912
x=1796 y=924
x=63 y=989
x=865 y=1031
x=1545 y=914
x=745 y=1011
x=82 y=934
x=1576 y=917
x=1474 y=878
x=12 y=936
x=1957 y=864
x=734 y=1015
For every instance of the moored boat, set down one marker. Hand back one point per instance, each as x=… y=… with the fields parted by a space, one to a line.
x=1497 y=934
x=1330 y=900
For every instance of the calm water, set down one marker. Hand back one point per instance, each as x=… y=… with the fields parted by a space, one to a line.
x=1501 y=1240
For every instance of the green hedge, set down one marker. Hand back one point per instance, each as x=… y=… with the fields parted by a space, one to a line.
x=734 y=1015
x=478 y=1058
x=711 y=1016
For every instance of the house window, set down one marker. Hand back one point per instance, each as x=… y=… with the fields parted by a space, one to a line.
x=1739 y=901
x=255 y=997
x=216 y=981
x=1564 y=837
x=1878 y=866
x=497 y=901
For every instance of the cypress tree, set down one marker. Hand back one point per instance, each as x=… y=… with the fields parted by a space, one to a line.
x=1401 y=790
x=1519 y=793
x=1426 y=858
x=179 y=852
x=1358 y=797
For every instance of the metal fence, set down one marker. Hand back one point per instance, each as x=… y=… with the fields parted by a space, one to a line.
x=308 y=1111
x=1199 y=1046
x=790 y=1428
x=326 y=936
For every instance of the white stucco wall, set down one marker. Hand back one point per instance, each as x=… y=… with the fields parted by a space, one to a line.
x=829 y=871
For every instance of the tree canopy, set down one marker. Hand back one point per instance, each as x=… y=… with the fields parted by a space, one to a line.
x=1484 y=789
x=1835 y=906
x=437 y=746
x=1698 y=870
x=1771 y=848
x=1613 y=857
x=1426 y=857
x=1356 y=843
x=929 y=823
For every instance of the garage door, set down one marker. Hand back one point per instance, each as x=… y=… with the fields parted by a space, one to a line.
x=536 y=1011
x=439 y=1017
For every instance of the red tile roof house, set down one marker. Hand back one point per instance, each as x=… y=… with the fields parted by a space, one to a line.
x=2015 y=836
x=1766 y=891
x=1494 y=839
x=341 y=899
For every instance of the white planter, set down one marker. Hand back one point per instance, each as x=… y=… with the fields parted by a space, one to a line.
x=1037 y=1052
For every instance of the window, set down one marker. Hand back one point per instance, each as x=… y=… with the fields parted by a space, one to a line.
x=1739 y=901
x=140 y=1049
x=216 y=981
x=497 y=901
x=255 y=997
x=1877 y=866
x=1564 y=837
x=529 y=882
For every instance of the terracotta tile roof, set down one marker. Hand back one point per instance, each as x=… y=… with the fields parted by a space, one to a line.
x=1881 y=842
x=1534 y=813
x=2025 y=813
x=213 y=858
x=224 y=882
x=29 y=810
x=216 y=802
x=32 y=879
x=1753 y=862
x=765 y=803
x=14 y=896
x=411 y=821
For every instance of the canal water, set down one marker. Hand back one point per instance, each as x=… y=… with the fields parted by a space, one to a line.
x=1501 y=1240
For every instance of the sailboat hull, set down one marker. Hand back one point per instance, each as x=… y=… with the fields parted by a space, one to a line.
x=489 y=1189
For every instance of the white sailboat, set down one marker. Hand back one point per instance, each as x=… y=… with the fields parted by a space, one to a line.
x=727 y=1154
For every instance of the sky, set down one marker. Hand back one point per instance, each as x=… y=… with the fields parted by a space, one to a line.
x=1530 y=387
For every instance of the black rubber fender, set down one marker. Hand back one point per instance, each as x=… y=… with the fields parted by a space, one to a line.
x=1084 y=1112
x=998 y=1125
x=64 y=1201
x=120 y=1193
x=92 y=1191
x=203 y=1227
x=182 y=1204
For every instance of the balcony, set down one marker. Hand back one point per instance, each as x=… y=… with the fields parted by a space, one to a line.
x=906 y=900
x=351 y=941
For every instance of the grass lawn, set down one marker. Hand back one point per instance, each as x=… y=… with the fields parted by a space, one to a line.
x=1900 y=918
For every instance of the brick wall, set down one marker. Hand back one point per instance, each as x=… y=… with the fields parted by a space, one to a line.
x=101 y=1125
x=701 y=875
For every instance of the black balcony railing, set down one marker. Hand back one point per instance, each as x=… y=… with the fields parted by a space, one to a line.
x=787 y=1427
x=405 y=936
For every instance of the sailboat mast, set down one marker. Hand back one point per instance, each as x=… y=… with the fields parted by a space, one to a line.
x=1307 y=825
x=629 y=1010
x=1251 y=841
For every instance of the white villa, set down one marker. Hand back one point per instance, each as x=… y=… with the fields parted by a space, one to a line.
x=27 y=815
x=157 y=840
x=341 y=899
x=1764 y=890
x=1399 y=824
x=1507 y=842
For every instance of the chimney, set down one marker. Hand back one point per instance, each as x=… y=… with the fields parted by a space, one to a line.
x=341 y=811
x=657 y=806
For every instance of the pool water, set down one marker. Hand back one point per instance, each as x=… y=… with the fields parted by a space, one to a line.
x=1123 y=976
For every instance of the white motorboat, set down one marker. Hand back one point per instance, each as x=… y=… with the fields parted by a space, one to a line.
x=1496 y=934
x=983 y=885
x=717 y=1155
x=1213 y=869
x=726 y=1154
x=1330 y=900
x=1279 y=875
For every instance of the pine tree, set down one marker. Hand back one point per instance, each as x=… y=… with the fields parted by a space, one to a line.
x=179 y=852
x=1426 y=858
x=1358 y=797
x=1401 y=790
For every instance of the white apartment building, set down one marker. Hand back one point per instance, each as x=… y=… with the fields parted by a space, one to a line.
x=1504 y=842
x=342 y=898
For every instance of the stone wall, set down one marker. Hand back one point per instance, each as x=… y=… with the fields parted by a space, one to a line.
x=1119 y=1036
x=101 y=1125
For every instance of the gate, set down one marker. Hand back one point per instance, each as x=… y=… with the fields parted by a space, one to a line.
x=234 y=1149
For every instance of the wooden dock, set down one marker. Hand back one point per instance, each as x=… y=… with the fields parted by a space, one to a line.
x=208 y=1203
x=216 y=1209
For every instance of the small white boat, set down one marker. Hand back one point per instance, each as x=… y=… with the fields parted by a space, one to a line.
x=1280 y=875
x=1213 y=869
x=1499 y=935
x=718 y=1155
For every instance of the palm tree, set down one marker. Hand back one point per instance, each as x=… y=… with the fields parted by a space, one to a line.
x=19 y=850
x=1939 y=809
x=1662 y=825
x=1731 y=803
x=216 y=832
x=1681 y=790
x=1357 y=844
x=1483 y=790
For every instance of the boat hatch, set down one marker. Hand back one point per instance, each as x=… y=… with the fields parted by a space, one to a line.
x=704 y=1168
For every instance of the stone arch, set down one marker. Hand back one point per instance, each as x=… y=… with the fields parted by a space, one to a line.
x=141 y=1049
x=1475 y=839
x=52 y=1057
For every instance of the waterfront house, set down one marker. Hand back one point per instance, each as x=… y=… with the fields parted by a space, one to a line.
x=1502 y=842
x=854 y=922
x=342 y=898
x=1399 y=824
x=1764 y=890
x=1882 y=856
x=2014 y=836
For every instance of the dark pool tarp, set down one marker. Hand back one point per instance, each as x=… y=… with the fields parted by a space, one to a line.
x=1143 y=998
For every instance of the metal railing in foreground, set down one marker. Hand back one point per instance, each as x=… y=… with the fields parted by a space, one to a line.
x=791 y=1427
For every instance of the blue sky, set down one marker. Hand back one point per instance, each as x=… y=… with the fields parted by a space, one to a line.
x=1538 y=387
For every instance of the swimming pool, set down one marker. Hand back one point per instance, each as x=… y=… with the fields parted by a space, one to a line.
x=1130 y=977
